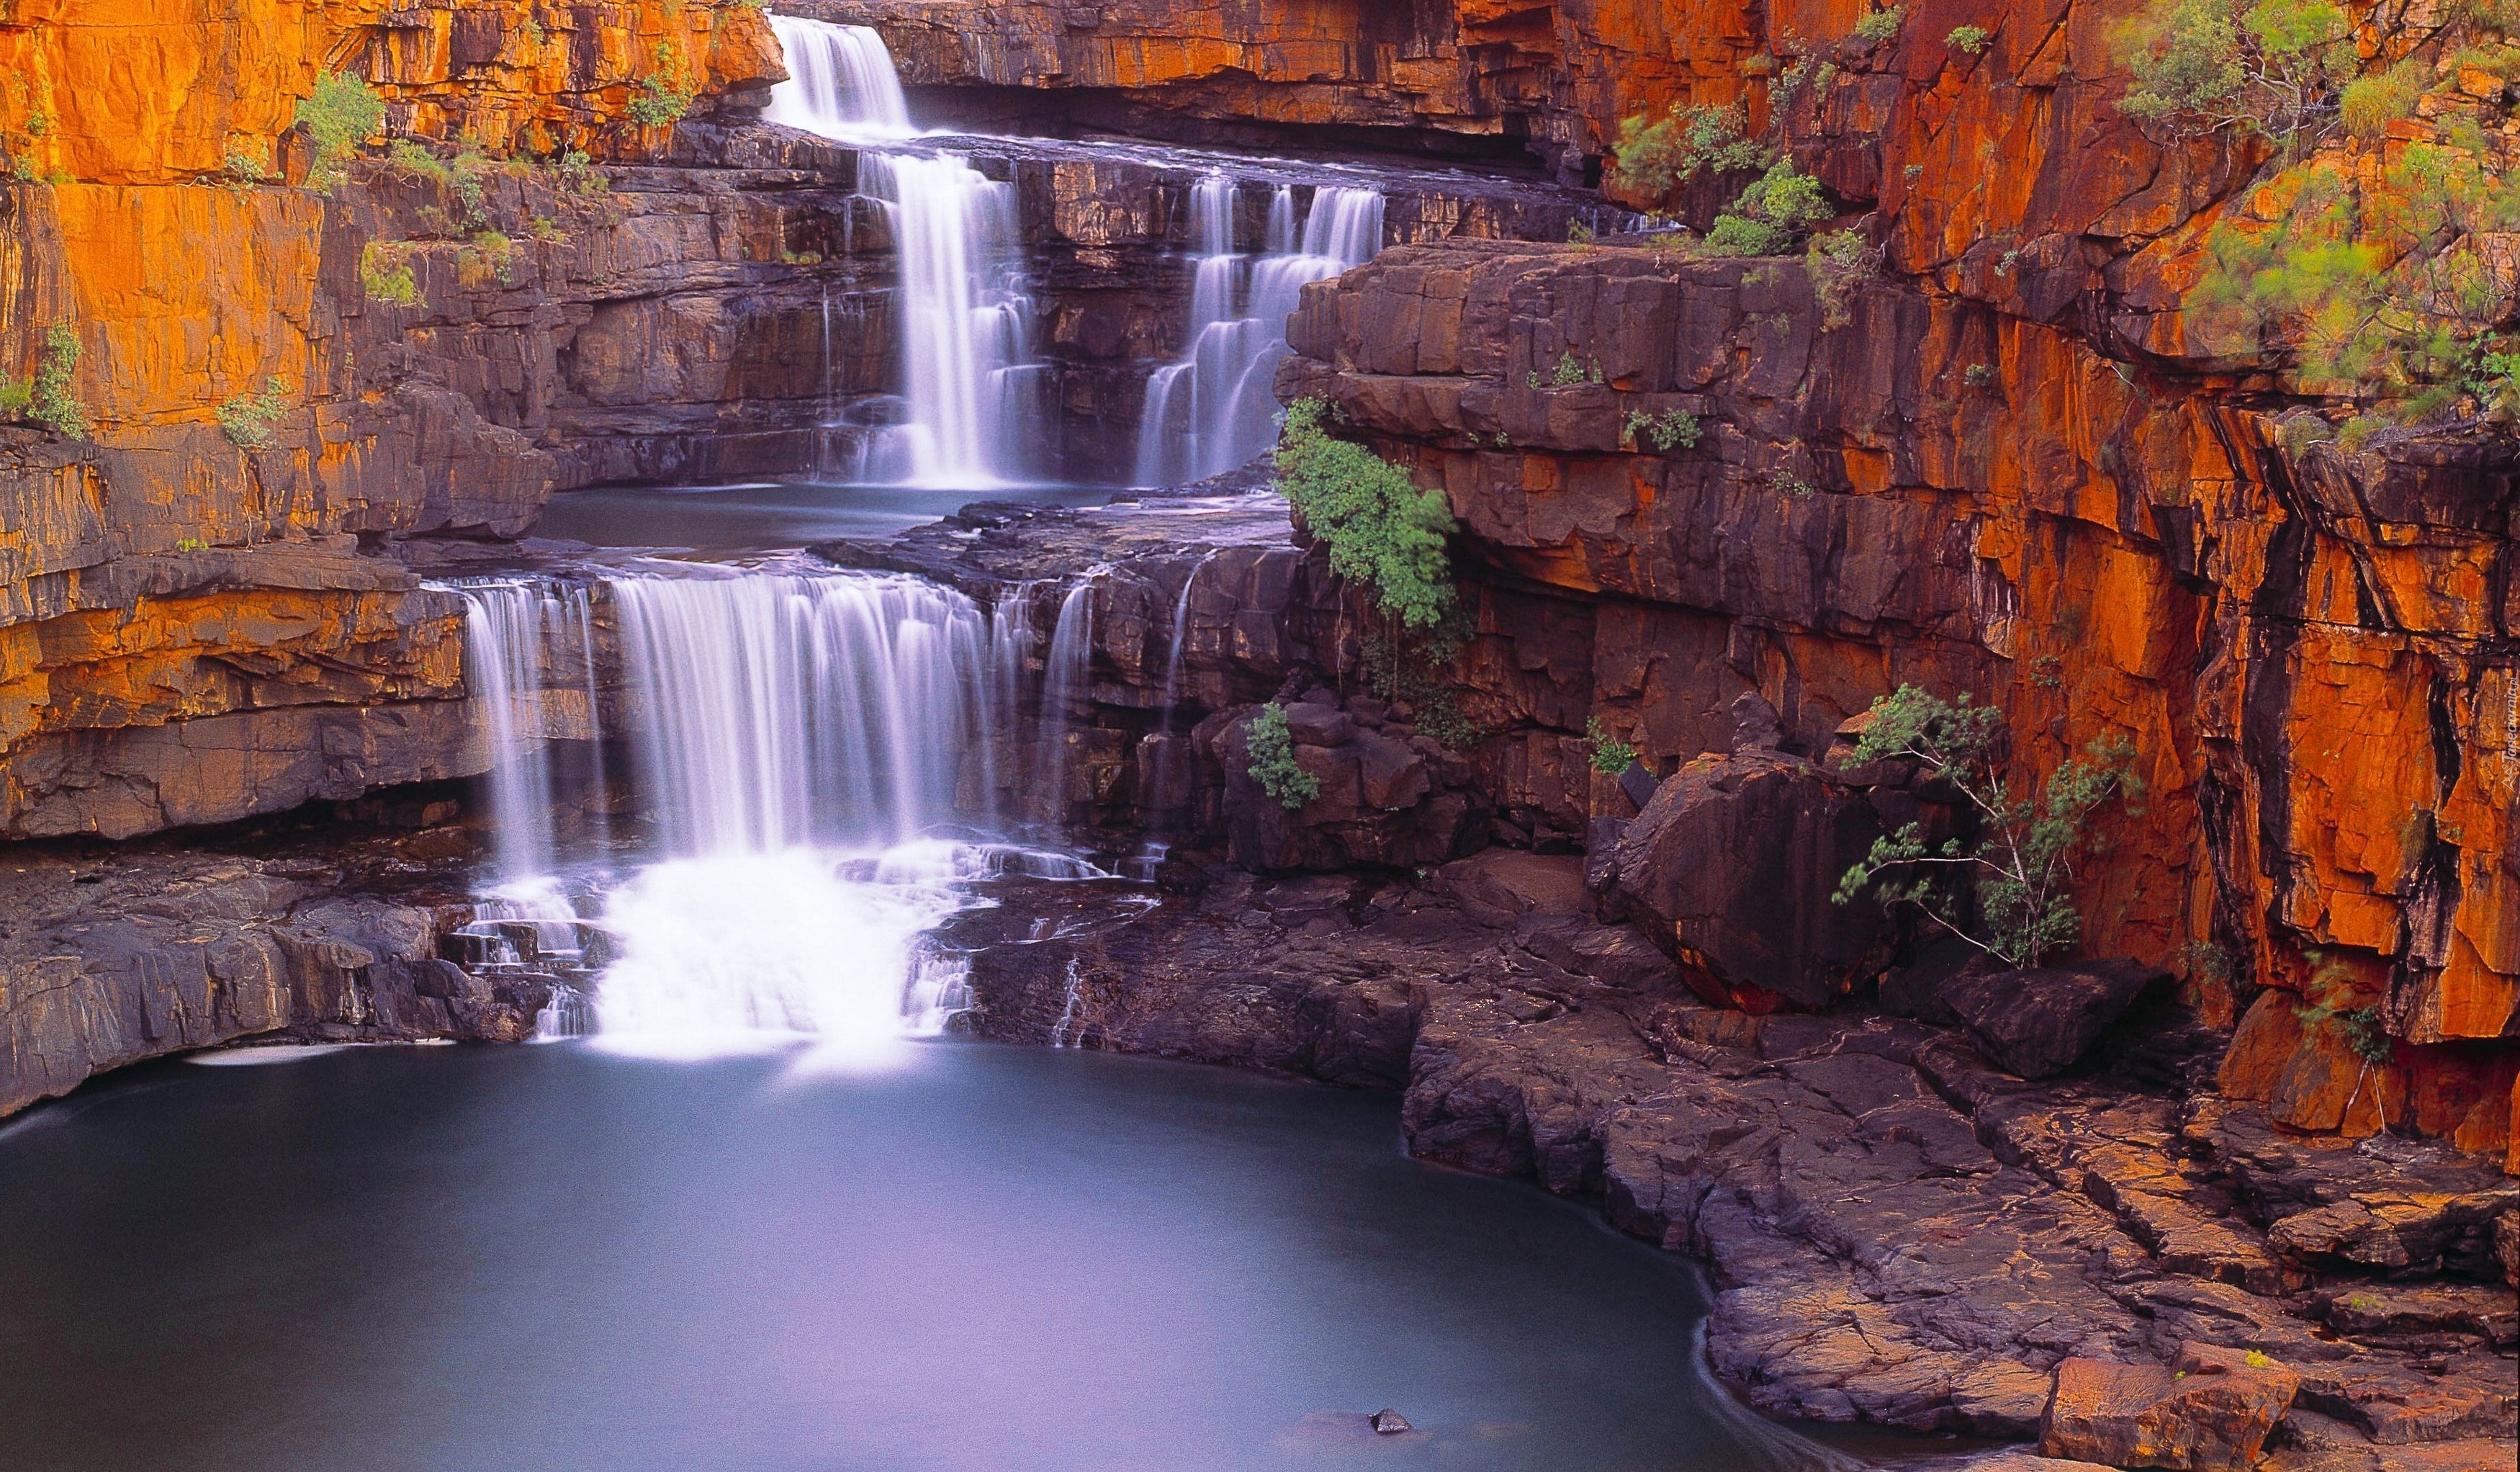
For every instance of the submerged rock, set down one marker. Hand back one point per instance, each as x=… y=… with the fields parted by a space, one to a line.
x=1389 y=1423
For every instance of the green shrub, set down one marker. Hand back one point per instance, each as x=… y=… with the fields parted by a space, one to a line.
x=2209 y=65
x=1672 y=429
x=343 y=112
x=243 y=170
x=412 y=159
x=386 y=275
x=1607 y=752
x=2365 y=1034
x=1879 y=25
x=1272 y=749
x=1973 y=39
x=579 y=175
x=2370 y=103
x=1838 y=263
x=1382 y=530
x=247 y=422
x=47 y=398
x=663 y=95
x=1770 y=214
x=2007 y=889
x=488 y=256
x=1655 y=157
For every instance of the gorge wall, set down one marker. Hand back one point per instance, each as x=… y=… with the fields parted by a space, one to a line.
x=1994 y=463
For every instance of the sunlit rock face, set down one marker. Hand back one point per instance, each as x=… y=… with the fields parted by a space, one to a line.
x=2327 y=771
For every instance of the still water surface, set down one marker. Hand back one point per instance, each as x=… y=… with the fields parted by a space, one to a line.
x=989 y=1258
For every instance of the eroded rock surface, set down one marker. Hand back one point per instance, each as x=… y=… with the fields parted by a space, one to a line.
x=109 y=957
x=1901 y=1231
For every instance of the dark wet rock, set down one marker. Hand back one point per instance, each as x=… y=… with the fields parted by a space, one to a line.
x=1389 y=1423
x=2040 y=1020
x=1732 y=868
x=135 y=953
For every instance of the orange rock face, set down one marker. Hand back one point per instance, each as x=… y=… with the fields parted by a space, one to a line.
x=189 y=631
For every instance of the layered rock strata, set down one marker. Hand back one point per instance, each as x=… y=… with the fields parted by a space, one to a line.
x=2319 y=713
x=112 y=956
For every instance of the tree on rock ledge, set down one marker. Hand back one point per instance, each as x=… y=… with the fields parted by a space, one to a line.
x=2007 y=888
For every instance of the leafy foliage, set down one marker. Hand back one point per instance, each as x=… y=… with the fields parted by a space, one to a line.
x=1770 y=214
x=1672 y=429
x=1655 y=157
x=247 y=422
x=1382 y=529
x=343 y=112
x=2007 y=889
x=2381 y=286
x=386 y=275
x=46 y=399
x=664 y=95
x=1272 y=749
x=1838 y=261
x=2208 y=66
x=1973 y=39
x=489 y=256
x=1879 y=25
x=1608 y=755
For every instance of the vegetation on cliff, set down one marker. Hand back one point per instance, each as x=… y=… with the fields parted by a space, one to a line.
x=46 y=399
x=2368 y=255
x=343 y=112
x=1271 y=745
x=1382 y=529
x=2007 y=888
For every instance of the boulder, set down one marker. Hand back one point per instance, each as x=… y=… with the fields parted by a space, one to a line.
x=2039 y=1021
x=1730 y=869
x=1389 y=1423
x=2210 y=1412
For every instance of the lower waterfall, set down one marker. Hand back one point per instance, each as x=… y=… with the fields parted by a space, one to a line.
x=815 y=752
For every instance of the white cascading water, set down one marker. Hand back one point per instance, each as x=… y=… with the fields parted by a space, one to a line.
x=1217 y=407
x=802 y=735
x=840 y=82
x=780 y=708
x=817 y=751
x=969 y=388
x=1064 y=675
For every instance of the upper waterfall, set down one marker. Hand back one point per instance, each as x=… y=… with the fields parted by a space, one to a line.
x=1217 y=407
x=840 y=82
x=965 y=318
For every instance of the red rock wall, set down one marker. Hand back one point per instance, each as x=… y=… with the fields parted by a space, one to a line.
x=189 y=631
x=2010 y=472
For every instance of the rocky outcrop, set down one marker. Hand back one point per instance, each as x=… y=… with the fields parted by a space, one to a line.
x=111 y=957
x=1900 y=1231
x=1463 y=79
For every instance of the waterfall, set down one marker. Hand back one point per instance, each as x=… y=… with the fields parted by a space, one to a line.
x=840 y=82
x=1216 y=408
x=970 y=384
x=1065 y=675
x=514 y=627
x=778 y=709
x=805 y=736
x=969 y=387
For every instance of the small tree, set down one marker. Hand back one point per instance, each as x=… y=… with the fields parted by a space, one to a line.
x=2016 y=873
